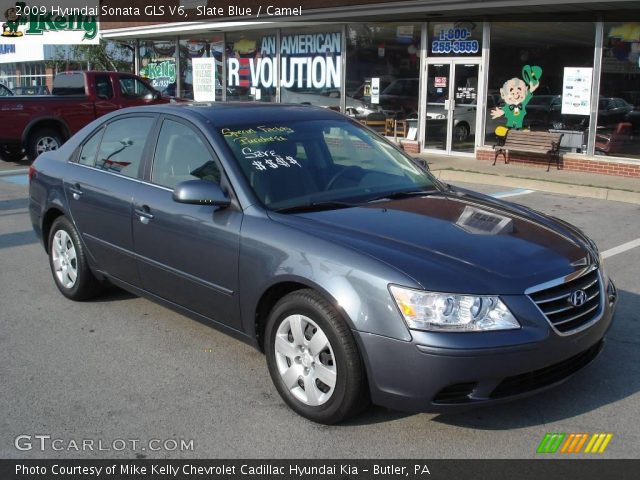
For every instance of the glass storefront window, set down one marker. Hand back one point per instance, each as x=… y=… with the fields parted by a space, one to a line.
x=311 y=66
x=251 y=66
x=618 y=130
x=383 y=69
x=158 y=65
x=201 y=47
x=539 y=78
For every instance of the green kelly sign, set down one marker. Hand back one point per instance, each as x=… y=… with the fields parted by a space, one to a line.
x=39 y=20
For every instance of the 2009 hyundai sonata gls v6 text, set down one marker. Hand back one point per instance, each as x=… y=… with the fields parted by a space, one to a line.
x=299 y=231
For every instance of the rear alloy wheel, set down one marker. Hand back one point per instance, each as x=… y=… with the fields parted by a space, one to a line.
x=43 y=140
x=313 y=359
x=68 y=262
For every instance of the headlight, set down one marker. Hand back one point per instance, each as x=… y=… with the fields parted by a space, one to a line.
x=442 y=311
x=603 y=270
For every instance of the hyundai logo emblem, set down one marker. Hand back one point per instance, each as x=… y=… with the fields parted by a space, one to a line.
x=578 y=298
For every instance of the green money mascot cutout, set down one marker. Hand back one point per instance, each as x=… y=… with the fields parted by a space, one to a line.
x=516 y=94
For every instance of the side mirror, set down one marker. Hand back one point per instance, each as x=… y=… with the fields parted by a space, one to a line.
x=422 y=162
x=201 y=192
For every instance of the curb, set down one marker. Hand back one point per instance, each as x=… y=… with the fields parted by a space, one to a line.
x=540 y=185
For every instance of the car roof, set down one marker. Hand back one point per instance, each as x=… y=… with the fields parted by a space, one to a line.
x=224 y=114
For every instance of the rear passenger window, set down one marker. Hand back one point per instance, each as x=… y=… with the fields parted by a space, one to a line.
x=181 y=155
x=122 y=145
x=89 y=150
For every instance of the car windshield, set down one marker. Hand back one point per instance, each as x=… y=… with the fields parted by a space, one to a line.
x=329 y=162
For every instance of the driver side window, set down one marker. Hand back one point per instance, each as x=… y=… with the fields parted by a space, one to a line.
x=182 y=155
x=131 y=87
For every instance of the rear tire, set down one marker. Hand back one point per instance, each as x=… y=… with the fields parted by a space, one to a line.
x=68 y=262
x=313 y=359
x=43 y=140
x=10 y=153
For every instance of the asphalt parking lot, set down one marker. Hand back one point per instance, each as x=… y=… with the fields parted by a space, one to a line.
x=122 y=367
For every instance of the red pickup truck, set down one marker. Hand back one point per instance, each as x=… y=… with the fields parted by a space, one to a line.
x=36 y=124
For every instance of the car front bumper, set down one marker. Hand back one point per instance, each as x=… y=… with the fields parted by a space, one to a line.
x=441 y=372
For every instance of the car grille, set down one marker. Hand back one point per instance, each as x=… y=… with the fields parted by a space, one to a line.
x=545 y=376
x=555 y=303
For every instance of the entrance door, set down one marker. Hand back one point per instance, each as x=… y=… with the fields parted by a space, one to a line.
x=451 y=109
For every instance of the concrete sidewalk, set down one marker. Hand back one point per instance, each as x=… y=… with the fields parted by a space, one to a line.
x=454 y=169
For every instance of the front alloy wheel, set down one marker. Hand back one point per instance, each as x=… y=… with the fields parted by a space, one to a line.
x=46 y=144
x=313 y=359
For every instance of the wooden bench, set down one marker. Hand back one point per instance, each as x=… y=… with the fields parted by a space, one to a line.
x=544 y=143
x=379 y=125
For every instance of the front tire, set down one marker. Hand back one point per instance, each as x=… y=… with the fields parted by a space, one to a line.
x=313 y=359
x=461 y=132
x=68 y=262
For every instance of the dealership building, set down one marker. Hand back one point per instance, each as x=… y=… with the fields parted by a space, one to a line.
x=436 y=75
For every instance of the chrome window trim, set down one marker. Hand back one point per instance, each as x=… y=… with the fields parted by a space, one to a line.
x=137 y=180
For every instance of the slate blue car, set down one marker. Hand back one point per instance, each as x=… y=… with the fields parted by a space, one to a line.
x=299 y=231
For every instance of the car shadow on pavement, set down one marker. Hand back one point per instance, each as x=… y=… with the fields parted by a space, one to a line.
x=612 y=377
x=113 y=294
x=373 y=415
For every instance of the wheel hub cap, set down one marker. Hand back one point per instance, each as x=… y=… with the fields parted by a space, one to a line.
x=46 y=144
x=305 y=360
x=63 y=255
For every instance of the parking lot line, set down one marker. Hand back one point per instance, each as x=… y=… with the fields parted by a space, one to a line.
x=512 y=193
x=17 y=179
x=621 y=248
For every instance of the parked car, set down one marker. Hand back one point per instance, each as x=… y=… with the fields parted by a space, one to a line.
x=39 y=124
x=612 y=111
x=400 y=98
x=5 y=91
x=315 y=240
x=355 y=108
x=545 y=111
x=34 y=90
x=464 y=119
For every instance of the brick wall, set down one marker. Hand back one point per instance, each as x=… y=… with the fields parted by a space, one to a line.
x=570 y=161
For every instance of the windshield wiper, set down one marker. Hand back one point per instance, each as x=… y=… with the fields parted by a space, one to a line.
x=405 y=194
x=315 y=206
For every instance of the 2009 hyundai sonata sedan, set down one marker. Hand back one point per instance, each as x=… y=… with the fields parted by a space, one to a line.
x=303 y=233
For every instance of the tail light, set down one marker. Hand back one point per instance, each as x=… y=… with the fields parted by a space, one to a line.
x=32 y=172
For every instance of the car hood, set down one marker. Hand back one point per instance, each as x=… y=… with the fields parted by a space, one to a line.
x=455 y=242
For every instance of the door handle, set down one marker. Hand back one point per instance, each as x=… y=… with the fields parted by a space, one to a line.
x=144 y=214
x=76 y=191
